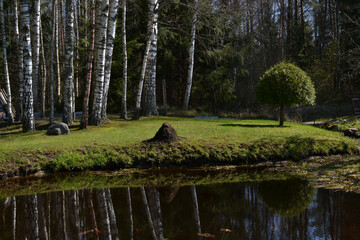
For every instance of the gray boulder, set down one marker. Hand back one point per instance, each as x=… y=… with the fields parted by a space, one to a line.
x=58 y=129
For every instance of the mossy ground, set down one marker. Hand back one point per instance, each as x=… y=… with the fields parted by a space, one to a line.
x=119 y=144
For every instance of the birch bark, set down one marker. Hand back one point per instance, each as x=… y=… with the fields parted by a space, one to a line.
x=111 y=33
x=123 y=113
x=69 y=64
x=19 y=110
x=152 y=26
x=36 y=53
x=191 y=57
x=28 y=120
x=149 y=99
x=57 y=52
x=6 y=69
x=43 y=74
x=90 y=67
x=52 y=55
x=100 y=45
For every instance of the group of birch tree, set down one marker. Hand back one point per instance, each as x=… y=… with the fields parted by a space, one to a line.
x=203 y=54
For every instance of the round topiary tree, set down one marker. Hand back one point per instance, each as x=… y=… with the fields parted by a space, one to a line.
x=285 y=85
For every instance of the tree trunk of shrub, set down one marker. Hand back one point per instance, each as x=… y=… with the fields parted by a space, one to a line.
x=282 y=117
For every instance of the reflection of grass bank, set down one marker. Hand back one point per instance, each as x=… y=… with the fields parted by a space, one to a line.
x=118 y=145
x=334 y=172
x=135 y=178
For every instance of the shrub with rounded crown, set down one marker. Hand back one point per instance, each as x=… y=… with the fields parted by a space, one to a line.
x=285 y=85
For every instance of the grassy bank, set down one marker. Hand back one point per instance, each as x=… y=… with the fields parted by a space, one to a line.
x=118 y=144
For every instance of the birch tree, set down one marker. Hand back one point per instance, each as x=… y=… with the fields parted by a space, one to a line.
x=149 y=99
x=85 y=118
x=123 y=113
x=69 y=64
x=6 y=69
x=57 y=51
x=52 y=56
x=28 y=120
x=100 y=45
x=111 y=33
x=19 y=49
x=191 y=57
x=43 y=74
x=152 y=27
x=36 y=53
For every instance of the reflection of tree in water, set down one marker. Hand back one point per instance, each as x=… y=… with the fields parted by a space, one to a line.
x=247 y=209
x=287 y=198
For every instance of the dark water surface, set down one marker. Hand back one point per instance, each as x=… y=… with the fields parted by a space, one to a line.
x=290 y=209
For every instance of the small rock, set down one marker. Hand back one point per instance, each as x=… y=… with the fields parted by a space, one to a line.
x=58 y=129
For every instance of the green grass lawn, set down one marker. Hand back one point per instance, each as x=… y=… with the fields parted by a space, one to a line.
x=118 y=144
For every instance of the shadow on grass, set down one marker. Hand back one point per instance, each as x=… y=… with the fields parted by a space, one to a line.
x=7 y=129
x=253 y=126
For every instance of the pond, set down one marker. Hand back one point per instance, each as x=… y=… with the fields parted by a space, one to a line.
x=274 y=209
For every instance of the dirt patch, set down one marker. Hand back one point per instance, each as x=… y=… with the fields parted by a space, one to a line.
x=165 y=134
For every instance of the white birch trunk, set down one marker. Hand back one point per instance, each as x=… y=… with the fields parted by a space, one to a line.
x=52 y=56
x=153 y=7
x=111 y=33
x=149 y=99
x=43 y=74
x=36 y=53
x=57 y=51
x=90 y=67
x=69 y=65
x=100 y=46
x=191 y=57
x=19 y=110
x=28 y=120
x=123 y=113
x=77 y=56
x=6 y=69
